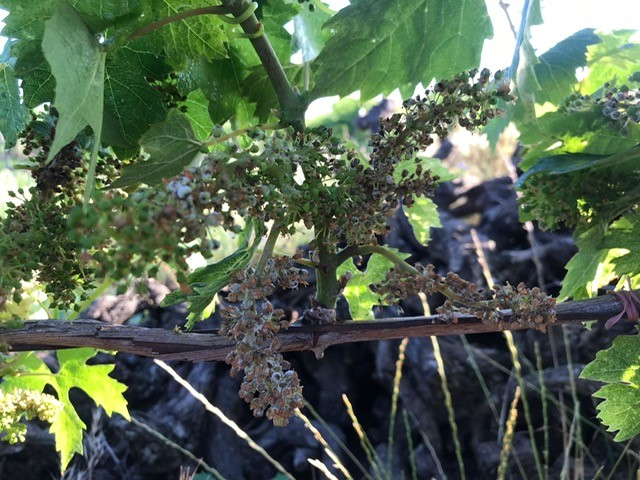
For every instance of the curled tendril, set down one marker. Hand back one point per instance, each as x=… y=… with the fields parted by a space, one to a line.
x=242 y=17
x=630 y=303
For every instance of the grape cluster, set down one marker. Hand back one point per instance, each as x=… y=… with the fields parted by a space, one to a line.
x=562 y=200
x=529 y=307
x=376 y=190
x=619 y=105
x=64 y=174
x=28 y=404
x=34 y=235
x=269 y=385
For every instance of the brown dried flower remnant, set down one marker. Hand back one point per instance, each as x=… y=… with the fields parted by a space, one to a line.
x=529 y=307
x=270 y=385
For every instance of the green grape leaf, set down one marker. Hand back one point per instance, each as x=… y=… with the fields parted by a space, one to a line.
x=308 y=36
x=131 y=103
x=556 y=72
x=275 y=15
x=78 y=63
x=13 y=114
x=198 y=114
x=614 y=58
x=114 y=14
x=26 y=19
x=358 y=294
x=207 y=281
x=74 y=372
x=423 y=215
x=108 y=10
x=586 y=267
x=587 y=132
x=191 y=38
x=619 y=367
x=38 y=83
x=625 y=234
x=427 y=163
x=378 y=46
x=221 y=82
x=172 y=145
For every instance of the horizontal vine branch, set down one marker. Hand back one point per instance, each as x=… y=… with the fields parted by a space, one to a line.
x=209 y=346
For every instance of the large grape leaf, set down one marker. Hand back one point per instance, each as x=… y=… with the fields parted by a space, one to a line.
x=26 y=19
x=172 y=145
x=108 y=11
x=556 y=72
x=614 y=58
x=38 y=83
x=586 y=267
x=625 y=234
x=308 y=36
x=77 y=61
x=380 y=45
x=190 y=38
x=220 y=81
x=131 y=105
x=619 y=367
x=74 y=372
x=13 y=114
x=357 y=292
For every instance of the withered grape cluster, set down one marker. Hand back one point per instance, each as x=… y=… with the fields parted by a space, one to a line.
x=269 y=384
x=529 y=307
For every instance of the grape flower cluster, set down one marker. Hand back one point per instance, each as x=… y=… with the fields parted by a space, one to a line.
x=28 y=404
x=269 y=385
x=531 y=308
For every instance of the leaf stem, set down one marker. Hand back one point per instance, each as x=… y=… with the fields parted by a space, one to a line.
x=323 y=8
x=349 y=252
x=267 y=251
x=150 y=27
x=240 y=131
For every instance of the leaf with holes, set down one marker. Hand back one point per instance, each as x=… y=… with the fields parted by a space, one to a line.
x=357 y=292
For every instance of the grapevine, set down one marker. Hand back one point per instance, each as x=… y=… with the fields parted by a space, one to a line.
x=171 y=141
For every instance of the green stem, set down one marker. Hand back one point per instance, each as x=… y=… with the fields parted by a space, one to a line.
x=150 y=27
x=291 y=103
x=349 y=252
x=323 y=8
x=240 y=131
x=267 y=251
x=327 y=282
